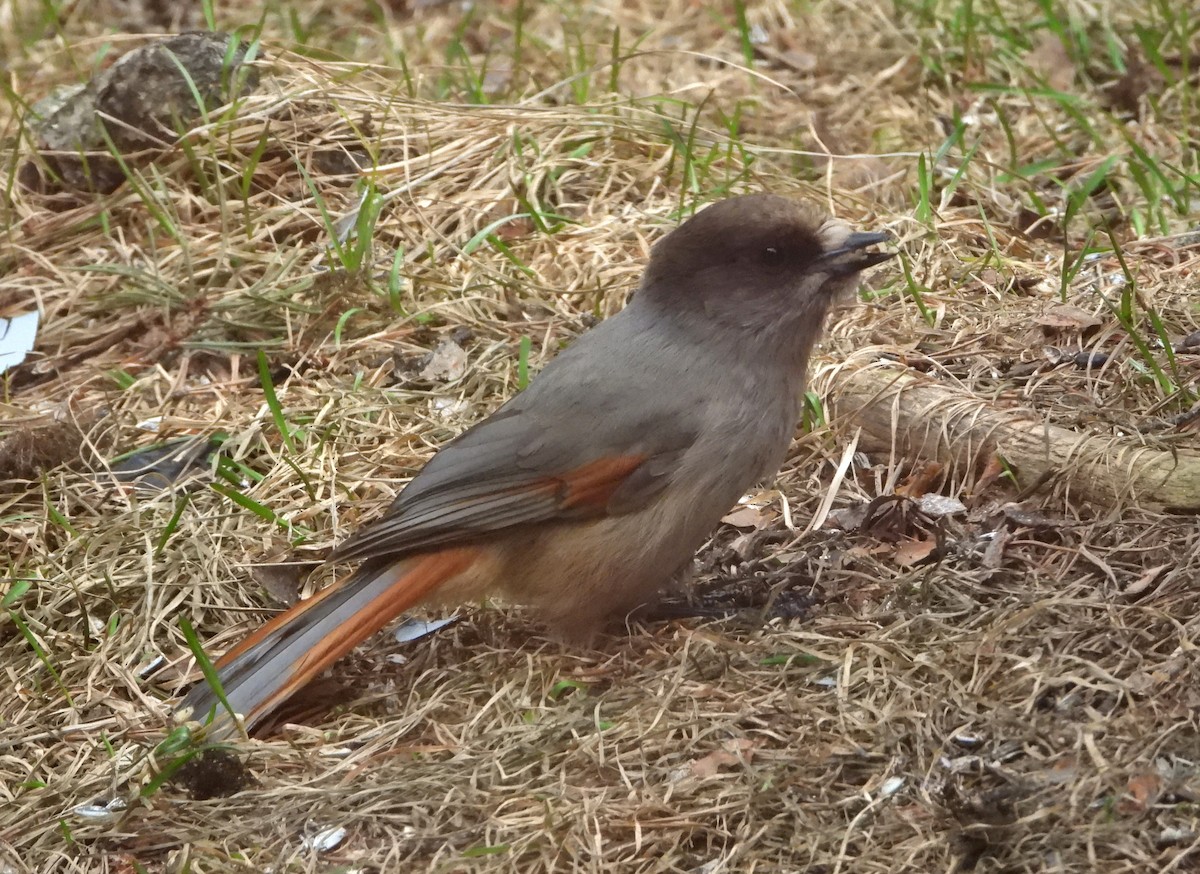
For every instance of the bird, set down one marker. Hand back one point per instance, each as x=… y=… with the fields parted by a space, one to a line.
x=589 y=491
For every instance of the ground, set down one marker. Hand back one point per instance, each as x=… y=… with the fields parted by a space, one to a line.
x=1006 y=681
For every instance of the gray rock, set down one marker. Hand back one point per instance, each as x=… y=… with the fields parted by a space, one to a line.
x=140 y=105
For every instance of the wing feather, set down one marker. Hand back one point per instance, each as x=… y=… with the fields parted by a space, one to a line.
x=510 y=470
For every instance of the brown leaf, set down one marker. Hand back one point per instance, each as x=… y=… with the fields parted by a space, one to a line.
x=866 y=596
x=514 y=230
x=1063 y=316
x=1049 y=59
x=1062 y=772
x=1146 y=580
x=282 y=581
x=889 y=518
x=992 y=471
x=1140 y=79
x=732 y=752
x=1141 y=792
x=920 y=480
x=865 y=551
x=909 y=552
x=746 y=516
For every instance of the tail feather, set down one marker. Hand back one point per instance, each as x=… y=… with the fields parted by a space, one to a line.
x=277 y=660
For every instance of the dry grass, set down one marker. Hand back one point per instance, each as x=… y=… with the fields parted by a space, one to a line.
x=1023 y=698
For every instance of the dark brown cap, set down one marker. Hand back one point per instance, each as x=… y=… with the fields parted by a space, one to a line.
x=757 y=245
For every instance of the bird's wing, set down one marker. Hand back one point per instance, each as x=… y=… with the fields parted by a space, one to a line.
x=530 y=463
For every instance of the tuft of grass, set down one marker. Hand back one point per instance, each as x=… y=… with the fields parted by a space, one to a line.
x=181 y=504
x=813 y=413
x=916 y=292
x=745 y=40
x=1126 y=313
x=43 y=656
x=181 y=738
x=268 y=388
x=523 y=351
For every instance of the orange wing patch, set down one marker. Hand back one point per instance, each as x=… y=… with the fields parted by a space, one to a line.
x=591 y=486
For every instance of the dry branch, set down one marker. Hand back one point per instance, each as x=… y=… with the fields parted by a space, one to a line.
x=915 y=416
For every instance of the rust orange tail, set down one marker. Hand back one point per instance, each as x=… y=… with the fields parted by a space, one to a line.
x=277 y=660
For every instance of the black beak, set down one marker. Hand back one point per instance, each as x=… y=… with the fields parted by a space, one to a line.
x=850 y=258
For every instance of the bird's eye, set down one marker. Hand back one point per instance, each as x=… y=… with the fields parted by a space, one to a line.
x=772 y=255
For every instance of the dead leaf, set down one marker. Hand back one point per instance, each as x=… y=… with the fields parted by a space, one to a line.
x=888 y=518
x=993 y=555
x=800 y=61
x=747 y=545
x=864 y=551
x=1063 y=316
x=992 y=471
x=909 y=552
x=732 y=752
x=1061 y=773
x=937 y=506
x=712 y=763
x=447 y=363
x=847 y=518
x=281 y=580
x=1049 y=59
x=748 y=517
x=794 y=59
x=1141 y=792
x=1141 y=78
x=920 y=480
x=865 y=596
x=1145 y=581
